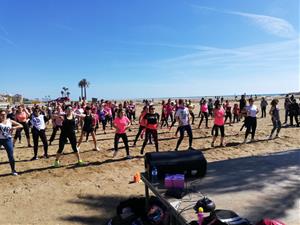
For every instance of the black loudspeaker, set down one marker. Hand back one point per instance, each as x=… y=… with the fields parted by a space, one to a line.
x=191 y=163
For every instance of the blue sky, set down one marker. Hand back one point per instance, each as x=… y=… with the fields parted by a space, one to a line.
x=139 y=48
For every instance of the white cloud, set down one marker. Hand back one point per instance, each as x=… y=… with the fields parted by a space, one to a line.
x=3 y=30
x=273 y=25
x=8 y=41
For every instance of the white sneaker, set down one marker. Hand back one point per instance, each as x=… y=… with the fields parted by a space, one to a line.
x=97 y=149
x=14 y=173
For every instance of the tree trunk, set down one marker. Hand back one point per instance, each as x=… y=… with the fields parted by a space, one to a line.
x=81 y=92
x=85 y=93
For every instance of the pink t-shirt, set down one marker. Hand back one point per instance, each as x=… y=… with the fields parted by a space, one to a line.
x=204 y=108
x=121 y=124
x=219 y=116
x=107 y=109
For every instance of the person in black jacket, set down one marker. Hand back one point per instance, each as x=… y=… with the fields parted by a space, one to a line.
x=294 y=112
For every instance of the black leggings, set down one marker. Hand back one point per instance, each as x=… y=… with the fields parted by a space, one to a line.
x=150 y=132
x=63 y=140
x=228 y=115
x=164 y=121
x=35 y=135
x=193 y=117
x=55 y=129
x=204 y=114
x=188 y=129
x=215 y=130
x=294 y=115
x=251 y=124
x=263 y=112
x=125 y=140
x=108 y=119
x=141 y=128
x=26 y=130
x=236 y=118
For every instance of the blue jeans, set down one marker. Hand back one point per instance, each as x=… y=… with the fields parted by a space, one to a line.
x=8 y=145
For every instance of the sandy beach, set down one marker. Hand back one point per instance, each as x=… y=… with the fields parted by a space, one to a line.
x=42 y=194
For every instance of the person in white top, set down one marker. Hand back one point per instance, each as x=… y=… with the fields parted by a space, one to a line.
x=251 y=111
x=38 y=122
x=182 y=116
x=6 y=128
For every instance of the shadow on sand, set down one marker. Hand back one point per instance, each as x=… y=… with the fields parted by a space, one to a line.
x=235 y=177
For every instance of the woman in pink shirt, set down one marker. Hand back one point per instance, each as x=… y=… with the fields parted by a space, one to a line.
x=121 y=123
x=142 y=123
x=219 y=113
x=108 y=114
x=204 y=113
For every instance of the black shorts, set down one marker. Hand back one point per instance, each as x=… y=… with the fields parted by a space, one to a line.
x=88 y=129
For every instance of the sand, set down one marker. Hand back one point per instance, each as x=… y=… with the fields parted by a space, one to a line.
x=42 y=194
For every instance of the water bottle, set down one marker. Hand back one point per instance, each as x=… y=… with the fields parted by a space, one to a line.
x=154 y=175
x=200 y=215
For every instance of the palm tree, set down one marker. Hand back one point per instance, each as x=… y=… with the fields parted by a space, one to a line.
x=80 y=84
x=68 y=94
x=84 y=84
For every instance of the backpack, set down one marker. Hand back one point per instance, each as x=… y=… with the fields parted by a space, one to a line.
x=225 y=217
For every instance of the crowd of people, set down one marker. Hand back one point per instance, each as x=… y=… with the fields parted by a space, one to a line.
x=84 y=117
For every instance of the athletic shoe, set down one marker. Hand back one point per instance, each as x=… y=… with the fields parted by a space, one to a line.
x=80 y=163
x=142 y=152
x=46 y=156
x=56 y=163
x=97 y=149
x=14 y=173
x=115 y=154
x=129 y=157
x=34 y=158
x=212 y=144
x=270 y=137
x=29 y=146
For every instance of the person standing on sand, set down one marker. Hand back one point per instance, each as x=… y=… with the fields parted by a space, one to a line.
x=242 y=105
x=182 y=116
x=263 y=106
x=204 y=113
x=191 y=107
x=22 y=115
x=294 y=112
x=88 y=127
x=142 y=123
x=228 y=113
x=219 y=113
x=68 y=132
x=57 y=123
x=287 y=103
x=121 y=124
x=274 y=112
x=152 y=123
x=38 y=122
x=6 y=128
x=251 y=120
